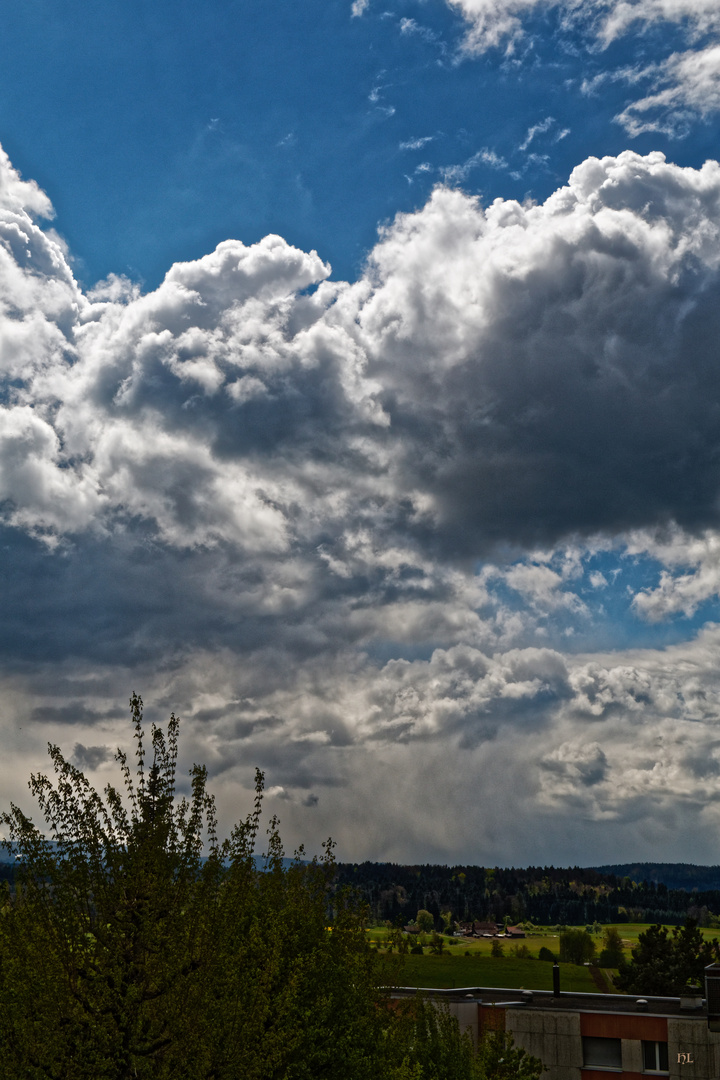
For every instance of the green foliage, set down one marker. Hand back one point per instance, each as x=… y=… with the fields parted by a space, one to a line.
x=496 y=948
x=437 y=945
x=521 y=951
x=425 y=921
x=546 y=954
x=499 y=1059
x=399 y=940
x=612 y=954
x=124 y=954
x=576 y=947
x=433 y=1048
x=662 y=963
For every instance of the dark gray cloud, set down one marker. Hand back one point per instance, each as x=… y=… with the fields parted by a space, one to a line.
x=259 y=498
x=509 y=376
x=90 y=757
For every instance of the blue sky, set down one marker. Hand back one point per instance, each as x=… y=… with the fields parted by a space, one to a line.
x=359 y=400
x=160 y=131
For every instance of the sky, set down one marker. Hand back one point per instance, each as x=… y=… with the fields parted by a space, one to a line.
x=360 y=402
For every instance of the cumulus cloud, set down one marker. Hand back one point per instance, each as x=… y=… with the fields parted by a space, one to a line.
x=260 y=496
x=515 y=373
x=510 y=339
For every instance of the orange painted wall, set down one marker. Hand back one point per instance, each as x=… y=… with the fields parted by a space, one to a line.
x=624 y=1026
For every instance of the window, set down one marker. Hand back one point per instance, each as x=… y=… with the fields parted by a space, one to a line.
x=655 y=1056
x=602 y=1053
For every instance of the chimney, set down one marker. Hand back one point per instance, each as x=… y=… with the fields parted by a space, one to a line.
x=691 y=997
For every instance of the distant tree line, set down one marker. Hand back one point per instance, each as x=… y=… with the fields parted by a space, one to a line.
x=540 y=894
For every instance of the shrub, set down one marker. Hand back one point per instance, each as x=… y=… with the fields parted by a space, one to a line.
x=546 y=954
x=437 y=945
x=576 y=947
x=425 y=920
x=612 y=954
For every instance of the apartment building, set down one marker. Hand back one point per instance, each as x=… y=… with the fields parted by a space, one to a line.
x=593 y=1036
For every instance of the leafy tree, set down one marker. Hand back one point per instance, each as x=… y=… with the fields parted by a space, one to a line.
x=425 y=921
x=501 y=1060
x=662 y=963
x=125 y=954
x=612 y=954
x=433 y=1048
x=437 y=944
x=496 y=949
x=137 y=946
x=546 y=954
x=576 y=947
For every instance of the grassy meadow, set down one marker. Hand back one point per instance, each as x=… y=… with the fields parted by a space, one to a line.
x=469 y=962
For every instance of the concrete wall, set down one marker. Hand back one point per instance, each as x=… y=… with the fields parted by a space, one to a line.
x=691 y=1037
x=632 y=1057
x=554 y=1037
x=467 y=1016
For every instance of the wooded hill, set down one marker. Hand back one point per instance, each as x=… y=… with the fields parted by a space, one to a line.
x=547 y=895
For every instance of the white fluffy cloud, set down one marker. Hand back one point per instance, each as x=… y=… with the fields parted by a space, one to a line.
x=455 y=388
x=263 y=494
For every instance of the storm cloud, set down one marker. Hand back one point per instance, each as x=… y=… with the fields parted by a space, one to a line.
x=510 y=374
x=346 y=529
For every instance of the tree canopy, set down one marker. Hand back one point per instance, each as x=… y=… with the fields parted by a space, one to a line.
x=138 y=946
x=663 y=963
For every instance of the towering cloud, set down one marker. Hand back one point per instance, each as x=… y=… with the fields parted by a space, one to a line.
x=509 y=374
x=265 y=493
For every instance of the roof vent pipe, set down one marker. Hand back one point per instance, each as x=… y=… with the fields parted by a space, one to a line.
x=556 y=979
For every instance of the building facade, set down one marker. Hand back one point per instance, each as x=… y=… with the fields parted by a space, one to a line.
x=593 y=1036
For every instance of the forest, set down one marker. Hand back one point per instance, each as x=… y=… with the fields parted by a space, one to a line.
x=547 y=896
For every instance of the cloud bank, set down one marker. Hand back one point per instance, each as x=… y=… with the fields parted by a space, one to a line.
x=264 y=496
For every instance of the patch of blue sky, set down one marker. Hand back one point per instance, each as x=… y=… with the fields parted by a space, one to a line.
x=593 y=608
x=160 y=130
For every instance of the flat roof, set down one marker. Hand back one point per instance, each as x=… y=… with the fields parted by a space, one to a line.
x=505 y=997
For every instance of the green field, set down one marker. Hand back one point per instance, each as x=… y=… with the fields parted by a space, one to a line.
x=454 y=970
x=469 y=963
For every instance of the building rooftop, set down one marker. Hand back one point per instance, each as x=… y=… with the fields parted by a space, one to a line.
x=544 y=999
